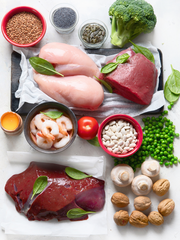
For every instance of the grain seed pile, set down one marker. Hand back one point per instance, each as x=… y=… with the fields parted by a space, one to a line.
x=24 y=28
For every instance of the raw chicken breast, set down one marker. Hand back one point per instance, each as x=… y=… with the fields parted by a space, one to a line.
x=69 y=60
x=74 y=91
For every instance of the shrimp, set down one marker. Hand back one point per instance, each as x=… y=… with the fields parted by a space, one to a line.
x=39 y=119
x=62 y=142
x=50 y=129
x=33 y=127
x=64 y=125
x=43 y=142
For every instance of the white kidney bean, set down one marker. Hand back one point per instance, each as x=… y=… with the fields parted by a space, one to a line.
x=119 y=136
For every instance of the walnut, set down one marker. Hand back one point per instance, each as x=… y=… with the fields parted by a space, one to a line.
x=142 y=203
x=166 y=207
x=121 y=218
x=155 y=218
x=138 y=219
x=161 y=187
x=120 y=200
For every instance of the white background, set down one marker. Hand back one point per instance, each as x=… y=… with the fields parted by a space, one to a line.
x=166 y=37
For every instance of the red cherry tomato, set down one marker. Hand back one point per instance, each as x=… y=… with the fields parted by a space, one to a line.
x=87 y=127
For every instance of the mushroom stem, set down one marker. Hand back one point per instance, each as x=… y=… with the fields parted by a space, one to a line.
x=152 y=167
x=123 y=176
x=142 y=185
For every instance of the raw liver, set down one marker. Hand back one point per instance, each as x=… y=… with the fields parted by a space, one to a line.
x=135 y=80
x=61 y=194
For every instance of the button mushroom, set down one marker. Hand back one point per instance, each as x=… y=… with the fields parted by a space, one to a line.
x=150 y=168
x=141 y=185
x=122 y=175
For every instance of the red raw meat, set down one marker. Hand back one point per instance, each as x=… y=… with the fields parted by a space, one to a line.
x=135 y=80
x=61 y=194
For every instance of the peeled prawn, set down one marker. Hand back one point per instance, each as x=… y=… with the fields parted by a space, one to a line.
x=42 y=142
x=50 y=129
x=62 y=142
x=39 y=119
x=64 y=125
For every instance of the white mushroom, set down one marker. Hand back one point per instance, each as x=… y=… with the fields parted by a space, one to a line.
x=122 y=175
x=150 y=168
x=141 y=185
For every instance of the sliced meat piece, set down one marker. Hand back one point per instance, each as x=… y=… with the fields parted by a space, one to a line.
x=73 y=91
x=135 y=80
x=69 y=60
x=61 y=194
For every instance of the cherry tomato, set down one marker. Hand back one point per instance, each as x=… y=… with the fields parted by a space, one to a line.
x=87 y=127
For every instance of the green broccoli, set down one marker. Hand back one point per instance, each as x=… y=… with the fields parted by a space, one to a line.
x=129 y=18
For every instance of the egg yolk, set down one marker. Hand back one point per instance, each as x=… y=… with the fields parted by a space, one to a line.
x=10 y=121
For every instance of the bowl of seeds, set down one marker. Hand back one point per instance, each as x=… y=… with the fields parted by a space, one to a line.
x=23 y=26
x=93 y=33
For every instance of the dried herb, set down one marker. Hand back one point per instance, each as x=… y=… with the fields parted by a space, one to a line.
x=110 y=67
x=42 y=66
x=77 y=213
x=53 y=114
x=39 y=185
x=76 y=174
x=144 y=51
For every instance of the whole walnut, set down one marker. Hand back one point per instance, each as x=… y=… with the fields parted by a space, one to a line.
x=161 y=187
x=120 y=199
x=155 y=218
x=142 y=203
x=121 y=218
x=138 y=219
x=166 y=207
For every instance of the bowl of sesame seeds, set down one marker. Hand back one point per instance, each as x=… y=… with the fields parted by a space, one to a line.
x=23 y=26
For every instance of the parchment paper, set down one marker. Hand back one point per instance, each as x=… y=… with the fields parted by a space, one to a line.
x=16 y=223
x=29 y=92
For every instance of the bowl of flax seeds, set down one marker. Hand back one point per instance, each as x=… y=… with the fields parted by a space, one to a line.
x=23 y=26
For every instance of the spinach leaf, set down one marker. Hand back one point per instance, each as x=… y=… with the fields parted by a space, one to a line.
x=42 y=66
x=170 y=96
x=75 y=174
x=108 y=68
x=53 y=114
x=39 y=185
x=122 y=58
x=77 y=213
x=174 y=81
x=144 y=51
x=94 y=142
x=109 y=88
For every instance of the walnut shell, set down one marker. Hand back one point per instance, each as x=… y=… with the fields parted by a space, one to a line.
x=142 y=203
x=121 y=218
x=120 y=199
x=155 y=218
x=138 y=219
x=161 y=187
x=166 y=207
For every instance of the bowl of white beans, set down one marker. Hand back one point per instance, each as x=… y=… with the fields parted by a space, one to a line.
x=50 y=127
x=120 y=135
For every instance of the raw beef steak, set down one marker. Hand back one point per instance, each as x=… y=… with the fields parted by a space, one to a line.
x=61 y=194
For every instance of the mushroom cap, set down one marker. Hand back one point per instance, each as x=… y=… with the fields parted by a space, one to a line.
x=141 y=185
x=150 y=168
x=122 y=175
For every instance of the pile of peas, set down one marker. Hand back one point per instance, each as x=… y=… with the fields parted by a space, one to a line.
x=158 y=137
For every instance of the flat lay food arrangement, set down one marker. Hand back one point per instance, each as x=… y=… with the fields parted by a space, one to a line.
x=91 y=127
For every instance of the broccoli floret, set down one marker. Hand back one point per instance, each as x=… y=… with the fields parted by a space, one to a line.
x=129 y=18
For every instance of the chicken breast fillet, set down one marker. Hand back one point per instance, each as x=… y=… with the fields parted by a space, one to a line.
x=74 y=91
x=69 y=60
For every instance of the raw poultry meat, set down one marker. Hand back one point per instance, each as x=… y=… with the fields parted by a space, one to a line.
x=73 y=91
x=60 y=195
x=77 y=88
x=135 y=80
x=69 y=60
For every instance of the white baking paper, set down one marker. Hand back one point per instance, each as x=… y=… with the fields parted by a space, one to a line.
x=29 y=92
x=16 y=223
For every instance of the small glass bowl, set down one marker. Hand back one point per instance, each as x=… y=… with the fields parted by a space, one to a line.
x=92 y=22
x=70 y=28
